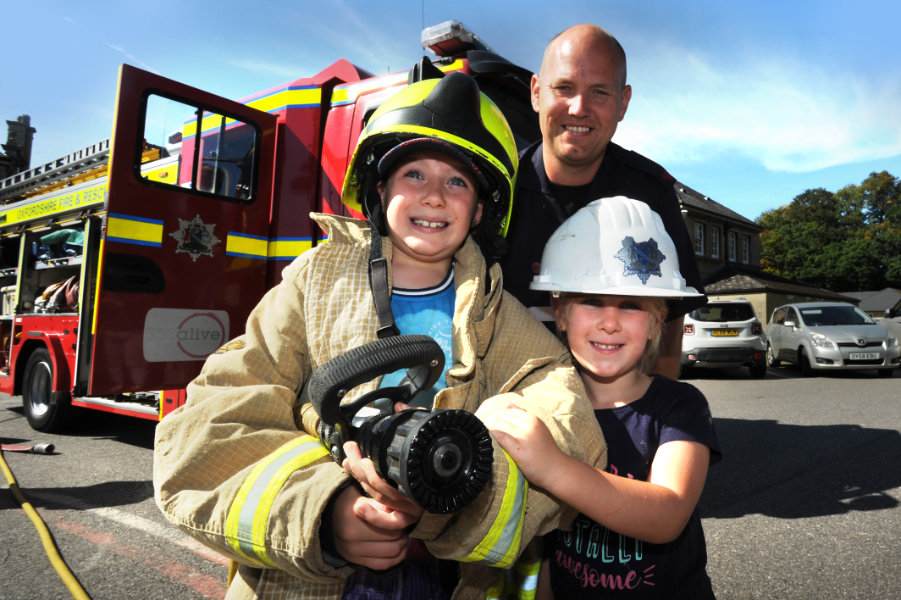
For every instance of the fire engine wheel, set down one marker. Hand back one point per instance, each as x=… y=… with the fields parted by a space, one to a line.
x=45 y=409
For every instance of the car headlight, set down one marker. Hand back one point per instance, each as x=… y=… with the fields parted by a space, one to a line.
x=821 y=341
x=891 y=341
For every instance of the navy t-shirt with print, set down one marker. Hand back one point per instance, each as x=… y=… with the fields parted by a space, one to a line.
x=591 y=561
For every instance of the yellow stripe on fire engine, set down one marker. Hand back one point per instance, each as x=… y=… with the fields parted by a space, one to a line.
x=251 y=246
x=278 y=100
x=349 y=92
x=292 y=97
x=254 y=246
x=500 y=547
x=248 y=516
x=130 y=229
x=289 y=248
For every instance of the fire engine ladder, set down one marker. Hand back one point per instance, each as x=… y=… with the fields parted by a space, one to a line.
x=43 y=177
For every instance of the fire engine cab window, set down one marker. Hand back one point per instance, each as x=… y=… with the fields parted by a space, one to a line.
x=198 y=149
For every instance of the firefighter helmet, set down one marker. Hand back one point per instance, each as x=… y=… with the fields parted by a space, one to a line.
x=615 y=246
x=448 y=115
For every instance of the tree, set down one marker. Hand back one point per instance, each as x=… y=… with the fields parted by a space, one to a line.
x=880 y=191
x=847 y=240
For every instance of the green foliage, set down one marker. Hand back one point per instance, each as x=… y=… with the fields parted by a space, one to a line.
x=846 y=240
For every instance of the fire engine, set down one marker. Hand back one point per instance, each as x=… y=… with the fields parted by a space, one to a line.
x=125 y=264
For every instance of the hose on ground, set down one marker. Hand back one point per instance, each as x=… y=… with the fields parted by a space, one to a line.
x=59 y=565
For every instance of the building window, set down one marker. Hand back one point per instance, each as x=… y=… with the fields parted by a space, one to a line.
x=731 y=246
x=745 y=249
x=714 y=242
x=699 y=239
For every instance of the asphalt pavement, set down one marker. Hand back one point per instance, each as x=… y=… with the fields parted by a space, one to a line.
x=805 y=505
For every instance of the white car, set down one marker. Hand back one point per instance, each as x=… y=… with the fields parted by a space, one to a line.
x=722 y=334
x=830 y=336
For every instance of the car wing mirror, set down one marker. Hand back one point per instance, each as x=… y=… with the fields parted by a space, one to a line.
x=791 y=324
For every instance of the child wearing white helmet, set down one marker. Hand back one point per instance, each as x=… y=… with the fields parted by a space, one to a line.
x=611 y=268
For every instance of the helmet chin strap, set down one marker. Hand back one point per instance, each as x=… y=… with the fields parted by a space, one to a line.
x=378 y=284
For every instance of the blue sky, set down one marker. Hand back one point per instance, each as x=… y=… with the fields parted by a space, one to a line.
x=750 y=103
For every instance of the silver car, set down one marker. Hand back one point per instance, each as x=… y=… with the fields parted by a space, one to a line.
x=721 y=334
x=829 y=336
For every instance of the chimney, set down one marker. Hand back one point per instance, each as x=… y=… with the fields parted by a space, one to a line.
x=17 y=146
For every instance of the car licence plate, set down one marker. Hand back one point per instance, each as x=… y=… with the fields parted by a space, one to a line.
x=724 y=332
x=864 y=356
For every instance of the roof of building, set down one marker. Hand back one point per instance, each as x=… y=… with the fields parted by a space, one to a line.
x=887 y=298
x=697 y=200
x=741 y=279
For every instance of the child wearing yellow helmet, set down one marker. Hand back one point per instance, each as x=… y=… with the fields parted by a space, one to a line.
x=639 y=532
x=434 y=172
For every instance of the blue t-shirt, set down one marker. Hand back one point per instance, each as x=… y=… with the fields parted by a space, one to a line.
x=427 y=312
x=591 y=561
x=421 y=576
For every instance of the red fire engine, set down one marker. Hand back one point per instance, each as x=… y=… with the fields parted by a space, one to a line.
x=123 y=265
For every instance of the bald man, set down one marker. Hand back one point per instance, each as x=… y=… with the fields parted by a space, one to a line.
x=580 y=96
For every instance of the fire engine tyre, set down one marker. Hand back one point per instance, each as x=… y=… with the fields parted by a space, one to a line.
x=45 y=409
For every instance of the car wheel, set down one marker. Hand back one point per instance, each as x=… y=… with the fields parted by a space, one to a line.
x=45 y=409
x=886 y=372
x=771 y=356
x=758 y=371
x=685 y=372
x=804 y=363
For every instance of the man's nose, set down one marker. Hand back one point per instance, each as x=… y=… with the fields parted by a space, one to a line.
x=577 y=105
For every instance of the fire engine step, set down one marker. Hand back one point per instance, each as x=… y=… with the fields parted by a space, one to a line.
x=123 y=407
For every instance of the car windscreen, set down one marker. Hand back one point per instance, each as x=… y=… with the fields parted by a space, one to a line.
x=718 y=313
x=835 y=315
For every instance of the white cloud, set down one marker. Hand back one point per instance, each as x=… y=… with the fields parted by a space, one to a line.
x=132 y=58
x=787 y=115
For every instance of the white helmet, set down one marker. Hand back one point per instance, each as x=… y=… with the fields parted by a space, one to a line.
x=613 y=246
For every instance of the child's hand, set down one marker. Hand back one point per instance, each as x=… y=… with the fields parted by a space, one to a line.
x=363 y=470
x=368 y=533
x=526 y=439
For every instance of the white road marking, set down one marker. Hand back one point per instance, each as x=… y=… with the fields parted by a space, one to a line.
x=170 y=534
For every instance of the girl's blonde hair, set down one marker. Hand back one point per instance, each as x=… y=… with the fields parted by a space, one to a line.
x=656 y=307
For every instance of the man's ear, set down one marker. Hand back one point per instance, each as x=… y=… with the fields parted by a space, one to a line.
x=625 y=96
x=535 y=87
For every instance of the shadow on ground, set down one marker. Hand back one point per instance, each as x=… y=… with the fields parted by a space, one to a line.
x=795 y=471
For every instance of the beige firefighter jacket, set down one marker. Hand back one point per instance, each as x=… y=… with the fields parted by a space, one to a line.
x=233 y=469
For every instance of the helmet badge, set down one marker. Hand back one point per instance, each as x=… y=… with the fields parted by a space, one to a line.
x=641 y=258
